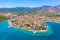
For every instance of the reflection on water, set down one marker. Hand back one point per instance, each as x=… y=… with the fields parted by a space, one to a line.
x=6 y=33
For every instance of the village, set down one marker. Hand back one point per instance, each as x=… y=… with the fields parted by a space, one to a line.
x=34 y=22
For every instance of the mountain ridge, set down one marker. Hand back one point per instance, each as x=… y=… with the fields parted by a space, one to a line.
x=27 y=10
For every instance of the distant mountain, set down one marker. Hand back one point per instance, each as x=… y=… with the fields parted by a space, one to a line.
x=27 y=10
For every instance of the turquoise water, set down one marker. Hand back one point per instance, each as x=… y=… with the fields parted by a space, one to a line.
x=6 y=33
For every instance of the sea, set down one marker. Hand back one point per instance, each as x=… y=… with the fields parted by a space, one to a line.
x=6 y=33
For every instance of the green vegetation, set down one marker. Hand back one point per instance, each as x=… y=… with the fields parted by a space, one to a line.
x=12 y=21
x=2 y=18
x=42 y=27
x=53 y=15
x=28 y=25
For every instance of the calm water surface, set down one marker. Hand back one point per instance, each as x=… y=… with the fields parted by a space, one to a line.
x=6 y=33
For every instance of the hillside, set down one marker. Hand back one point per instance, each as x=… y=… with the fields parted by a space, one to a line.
x=26 y=10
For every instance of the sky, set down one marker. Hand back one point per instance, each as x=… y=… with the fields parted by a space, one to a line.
x=27 y=3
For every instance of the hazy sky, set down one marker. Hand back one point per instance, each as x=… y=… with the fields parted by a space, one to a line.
x=27 y=3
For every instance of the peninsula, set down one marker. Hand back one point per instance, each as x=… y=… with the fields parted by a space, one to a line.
x=30 y=22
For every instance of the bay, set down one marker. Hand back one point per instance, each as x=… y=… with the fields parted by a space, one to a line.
x=7 y=33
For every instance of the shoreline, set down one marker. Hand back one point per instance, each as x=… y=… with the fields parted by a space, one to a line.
x=10 y=25
x=37 y=31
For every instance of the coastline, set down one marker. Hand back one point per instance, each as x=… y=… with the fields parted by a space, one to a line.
x=37 y=31
x=49 y=31
x=10 y=25
x=46 y=32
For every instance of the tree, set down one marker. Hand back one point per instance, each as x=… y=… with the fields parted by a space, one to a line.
x=2 y=18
